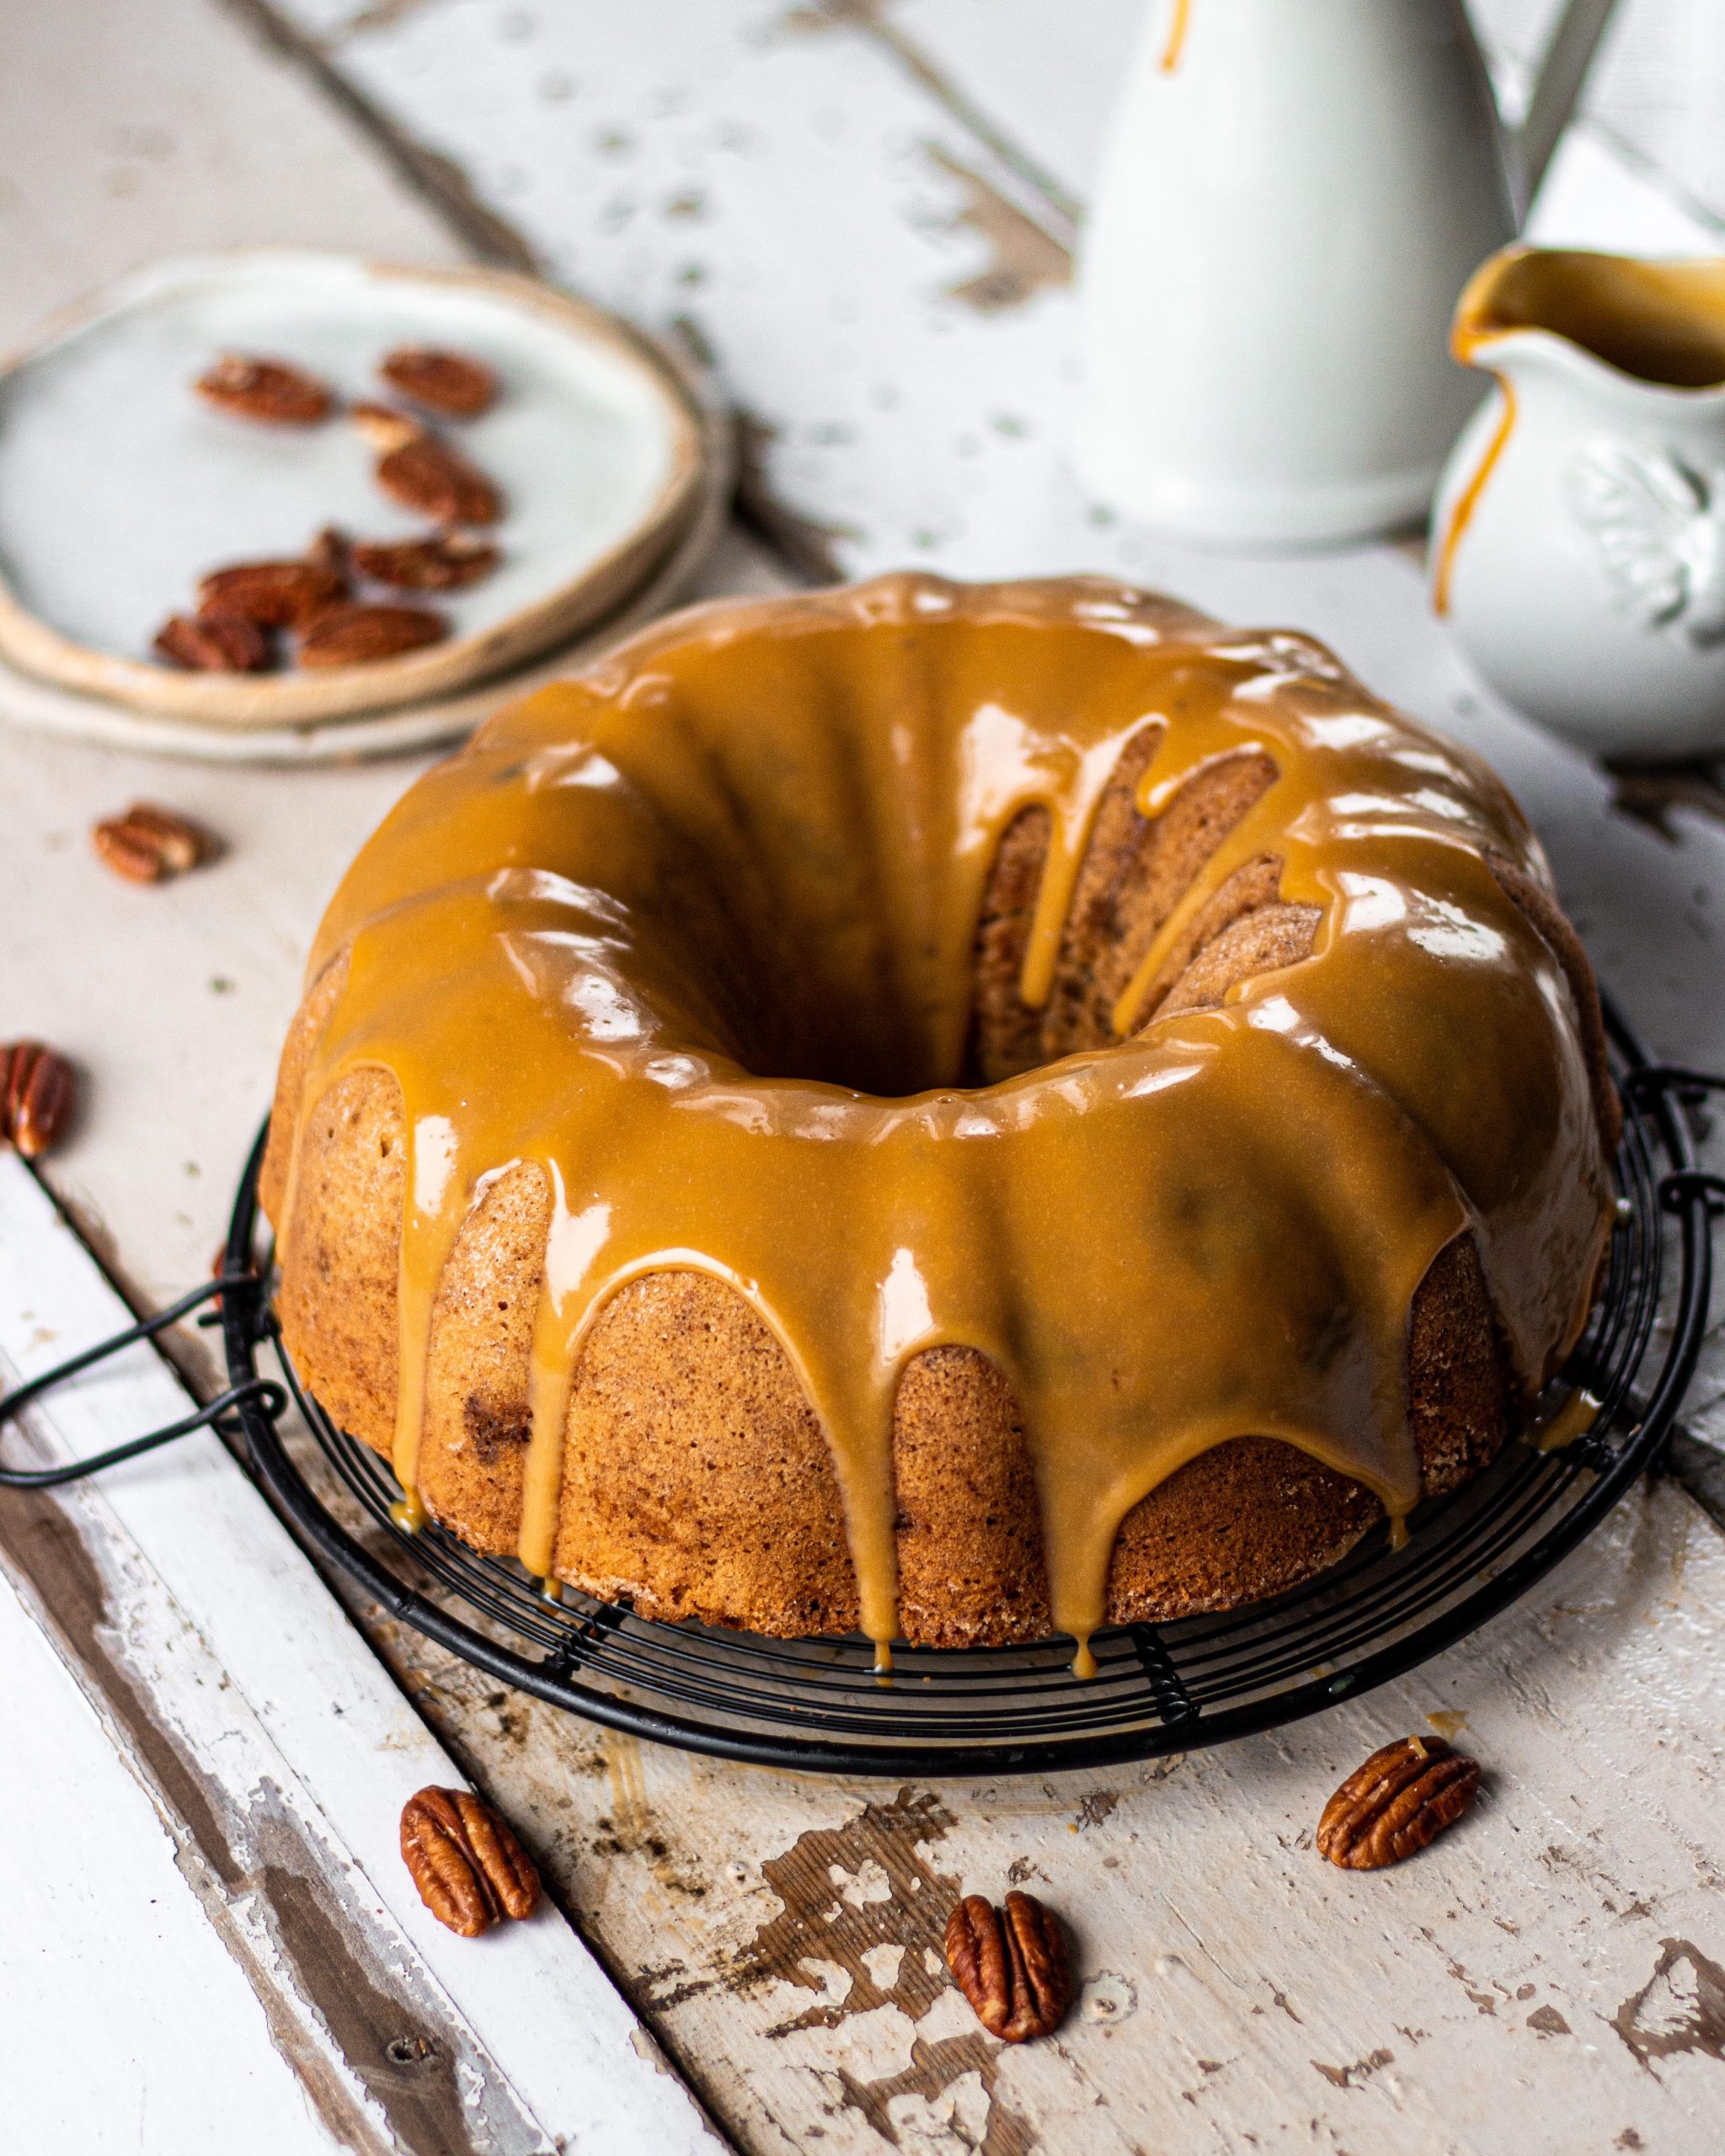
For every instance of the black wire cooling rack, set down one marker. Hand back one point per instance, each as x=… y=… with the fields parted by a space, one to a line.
x=818 y=1704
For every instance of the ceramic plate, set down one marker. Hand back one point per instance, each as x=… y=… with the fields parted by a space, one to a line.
x=120 y=486
x=49 y=708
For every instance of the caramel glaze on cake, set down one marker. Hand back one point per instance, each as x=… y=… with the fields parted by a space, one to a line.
x=965 y=1112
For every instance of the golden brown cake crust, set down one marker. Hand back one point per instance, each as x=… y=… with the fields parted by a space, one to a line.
x=698 y=1482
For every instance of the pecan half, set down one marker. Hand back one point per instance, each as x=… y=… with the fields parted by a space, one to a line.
x=448 y=383
x=267 y=389
x=423 y=474
x=1401 y=1799
x=148 y=844
x=215 y=642
x=38 y=1093
x=274 y=595
x=358 y=635
x=1011 y=1965
x=444 y=561
x=469 y=1868
x=428 y=475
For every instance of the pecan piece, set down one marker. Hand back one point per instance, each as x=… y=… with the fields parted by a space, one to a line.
x=328 y=551
x=274 y=595
x=357 y=635
x=384 y=427
x=428 y=475
x=1401 y=1799
x=148 y=844
x=215 y=642
x=425 y=474
x=267 y=389
x=446 y=382
x=1010 y=1964
x=469 y=1868
x=444 y=562
x=38 y=1093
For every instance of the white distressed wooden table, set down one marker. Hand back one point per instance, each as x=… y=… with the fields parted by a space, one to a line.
x=863 y=211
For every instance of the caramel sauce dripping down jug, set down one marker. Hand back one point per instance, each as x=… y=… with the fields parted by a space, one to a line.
x=1294 y=194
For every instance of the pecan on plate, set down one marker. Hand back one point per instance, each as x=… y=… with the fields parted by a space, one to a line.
x=469 y=1868
x=147 y=844
x=274 y=595
x=1401 y=1799
x=1011 y=1964
x=446 y=382
x=444 y=562
x=38 y=1093
x=425 y=474
x=328 y=551
x=428 y=475
x=215 y=642
x=358 y=635
x=267 y=389
x=386 y=429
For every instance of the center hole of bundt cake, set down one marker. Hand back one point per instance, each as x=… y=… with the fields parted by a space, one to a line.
x=844 y=1002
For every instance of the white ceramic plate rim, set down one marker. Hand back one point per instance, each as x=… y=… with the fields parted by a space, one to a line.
x=34 y=647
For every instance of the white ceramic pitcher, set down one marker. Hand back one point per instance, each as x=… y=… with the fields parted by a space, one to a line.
x=1579 y=543
x=1294 y=194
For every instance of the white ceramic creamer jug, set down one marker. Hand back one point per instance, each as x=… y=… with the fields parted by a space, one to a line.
x=1294 y=194
x=1579 y=542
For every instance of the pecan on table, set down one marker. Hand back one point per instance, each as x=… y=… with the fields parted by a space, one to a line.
x=274 y=595
x=444 y=562
x=215 y=642
x=147 y=844
x=269 y=390
x=1011 y=1964
x=470 y=1870
x=446 y=382
x=358 y=635
x=38 y=1094
x=1403 y=1797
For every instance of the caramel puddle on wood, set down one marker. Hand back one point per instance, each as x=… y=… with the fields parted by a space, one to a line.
x=1680 y=2008
x=821 y=1921
x=1449 y=1723
x=835 y=1912
x=936 y=2074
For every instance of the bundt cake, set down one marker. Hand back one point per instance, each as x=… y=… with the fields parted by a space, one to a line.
x=961 y=1112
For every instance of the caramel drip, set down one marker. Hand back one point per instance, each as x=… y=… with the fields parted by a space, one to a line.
x=1468 y=500
x=1572 y=1420
x=696 y=933
x=1177 y=29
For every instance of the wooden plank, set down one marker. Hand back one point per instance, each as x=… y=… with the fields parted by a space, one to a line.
x=92 y=1896
x=280 y=1754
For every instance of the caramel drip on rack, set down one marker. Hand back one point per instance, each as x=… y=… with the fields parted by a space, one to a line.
x=695 y=933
